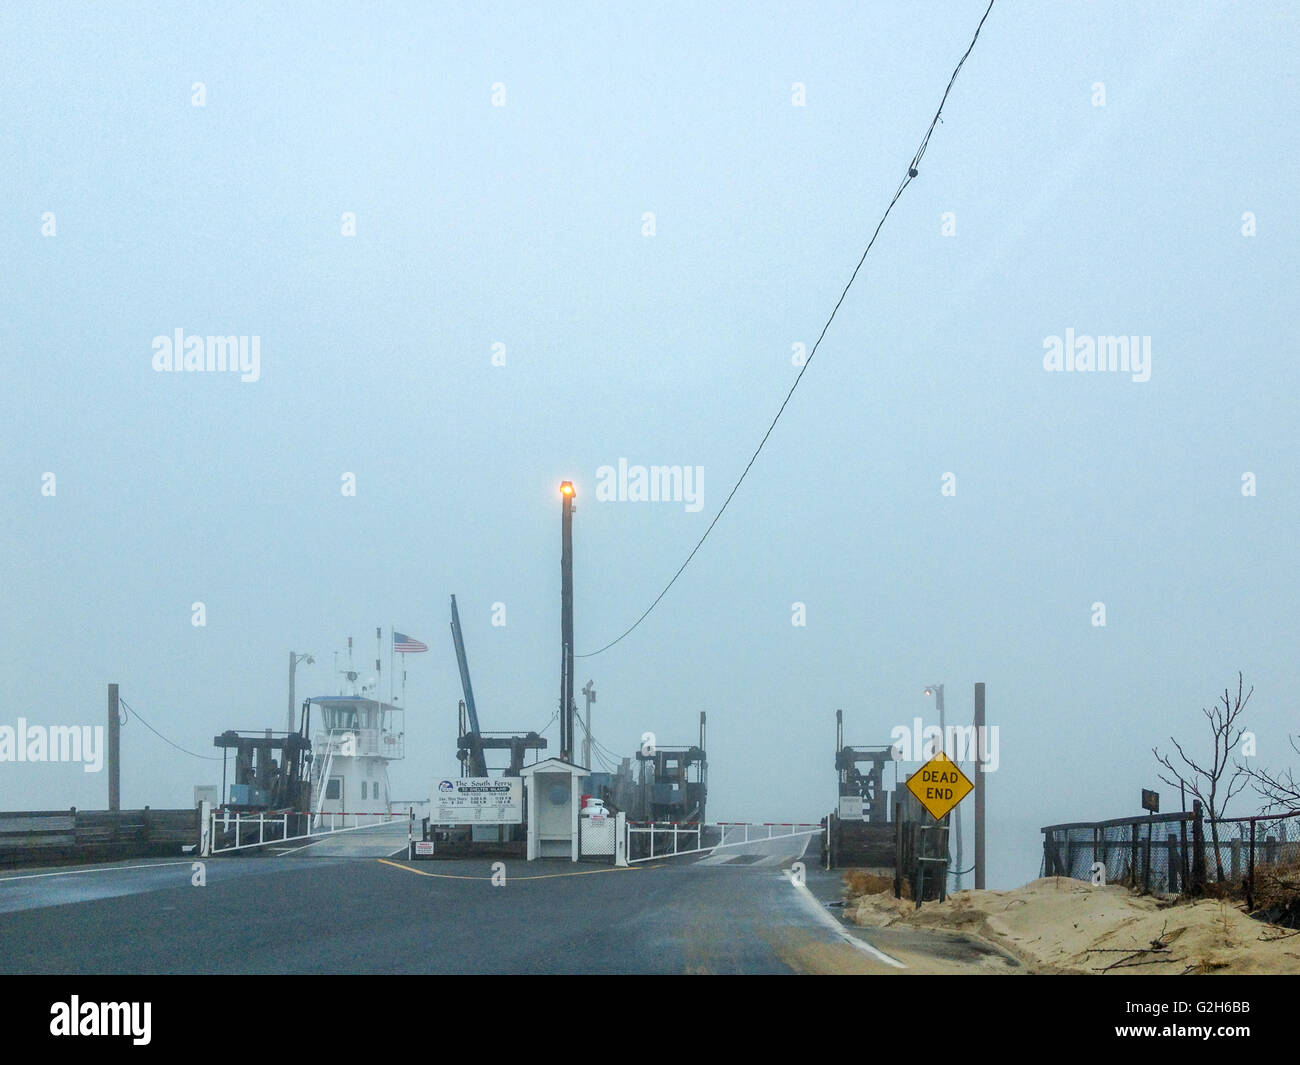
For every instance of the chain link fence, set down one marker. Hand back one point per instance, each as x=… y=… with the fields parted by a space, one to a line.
x=1159 y=853
x=1150 y=852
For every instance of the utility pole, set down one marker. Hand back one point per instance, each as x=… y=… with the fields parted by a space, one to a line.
x=567 y=705
x=114 y=751
x=981 y=753
x=590 y=692
x=294 y=659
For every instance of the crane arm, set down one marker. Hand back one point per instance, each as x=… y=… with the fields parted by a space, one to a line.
x=478 y=764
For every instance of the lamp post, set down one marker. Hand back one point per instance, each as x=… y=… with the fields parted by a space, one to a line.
x=566 y=622
x=937 y=691
x=294 y=659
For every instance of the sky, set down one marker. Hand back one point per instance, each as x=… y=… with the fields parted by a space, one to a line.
x=586 y=234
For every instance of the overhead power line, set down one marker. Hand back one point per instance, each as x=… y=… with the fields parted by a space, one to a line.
x=912 y=169
x=136 y=714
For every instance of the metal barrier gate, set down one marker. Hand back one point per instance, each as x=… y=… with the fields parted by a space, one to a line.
x=224 y=832
x=650 y=840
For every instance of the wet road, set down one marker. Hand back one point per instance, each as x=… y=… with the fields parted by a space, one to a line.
x=305 y=912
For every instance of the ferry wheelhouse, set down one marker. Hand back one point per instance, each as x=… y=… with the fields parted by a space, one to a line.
x=355 y=738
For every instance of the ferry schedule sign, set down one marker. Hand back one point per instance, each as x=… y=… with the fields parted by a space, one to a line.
x=479 y=801
x=939 y=785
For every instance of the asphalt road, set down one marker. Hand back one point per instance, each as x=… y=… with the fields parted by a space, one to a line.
x=306 y=912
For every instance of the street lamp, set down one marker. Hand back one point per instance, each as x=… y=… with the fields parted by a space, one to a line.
x=937 y=691
x=294 y=659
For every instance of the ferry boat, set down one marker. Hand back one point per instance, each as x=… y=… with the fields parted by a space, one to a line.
x=356 y=735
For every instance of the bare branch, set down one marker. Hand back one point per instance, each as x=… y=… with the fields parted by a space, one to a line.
x=1211 y=783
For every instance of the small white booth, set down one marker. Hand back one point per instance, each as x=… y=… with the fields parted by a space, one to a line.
x=554 y=796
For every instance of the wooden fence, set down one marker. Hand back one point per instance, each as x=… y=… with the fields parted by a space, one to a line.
x=30 y=837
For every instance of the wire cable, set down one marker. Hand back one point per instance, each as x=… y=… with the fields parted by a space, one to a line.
x=608 y=752
x=136 y=713
x=596 y=748
x=907 y=180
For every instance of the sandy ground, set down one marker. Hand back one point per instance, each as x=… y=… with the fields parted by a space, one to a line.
x=1060 y=925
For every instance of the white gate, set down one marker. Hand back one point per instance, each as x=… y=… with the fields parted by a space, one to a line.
x=227 y=832
x=648 y=840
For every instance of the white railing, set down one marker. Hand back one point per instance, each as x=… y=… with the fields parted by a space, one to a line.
x=648 y=840
x=322 y=781
x=236 y=831
x=361 y=742
x=673 y=839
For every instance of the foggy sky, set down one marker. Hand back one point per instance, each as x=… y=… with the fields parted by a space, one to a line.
x=522 y=225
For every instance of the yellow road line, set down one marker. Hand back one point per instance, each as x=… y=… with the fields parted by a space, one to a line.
x=543 y=876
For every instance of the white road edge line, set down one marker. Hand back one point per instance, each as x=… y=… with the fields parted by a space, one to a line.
x=848 y=937
x=294 y=850
x=100 y=869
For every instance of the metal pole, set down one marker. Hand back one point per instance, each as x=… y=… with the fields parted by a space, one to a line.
x=566 y=622
x=1250 y=876
x=293 y=662
x=1198 y=848
x=943 y=738
x=1182 y=830
x=114 y=751
x=980 y=752
x=957 y=816
x=839 y=769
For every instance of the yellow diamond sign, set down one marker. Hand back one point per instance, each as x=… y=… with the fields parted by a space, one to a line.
x=939 y=785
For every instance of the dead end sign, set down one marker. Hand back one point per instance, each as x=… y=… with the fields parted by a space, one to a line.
x=939 y=785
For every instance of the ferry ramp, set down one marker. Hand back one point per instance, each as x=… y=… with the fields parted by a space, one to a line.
x=377 y=841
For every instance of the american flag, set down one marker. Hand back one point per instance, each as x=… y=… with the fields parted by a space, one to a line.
x=405 y=645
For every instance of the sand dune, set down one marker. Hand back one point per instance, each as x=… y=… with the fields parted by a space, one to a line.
x=1062 y=925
